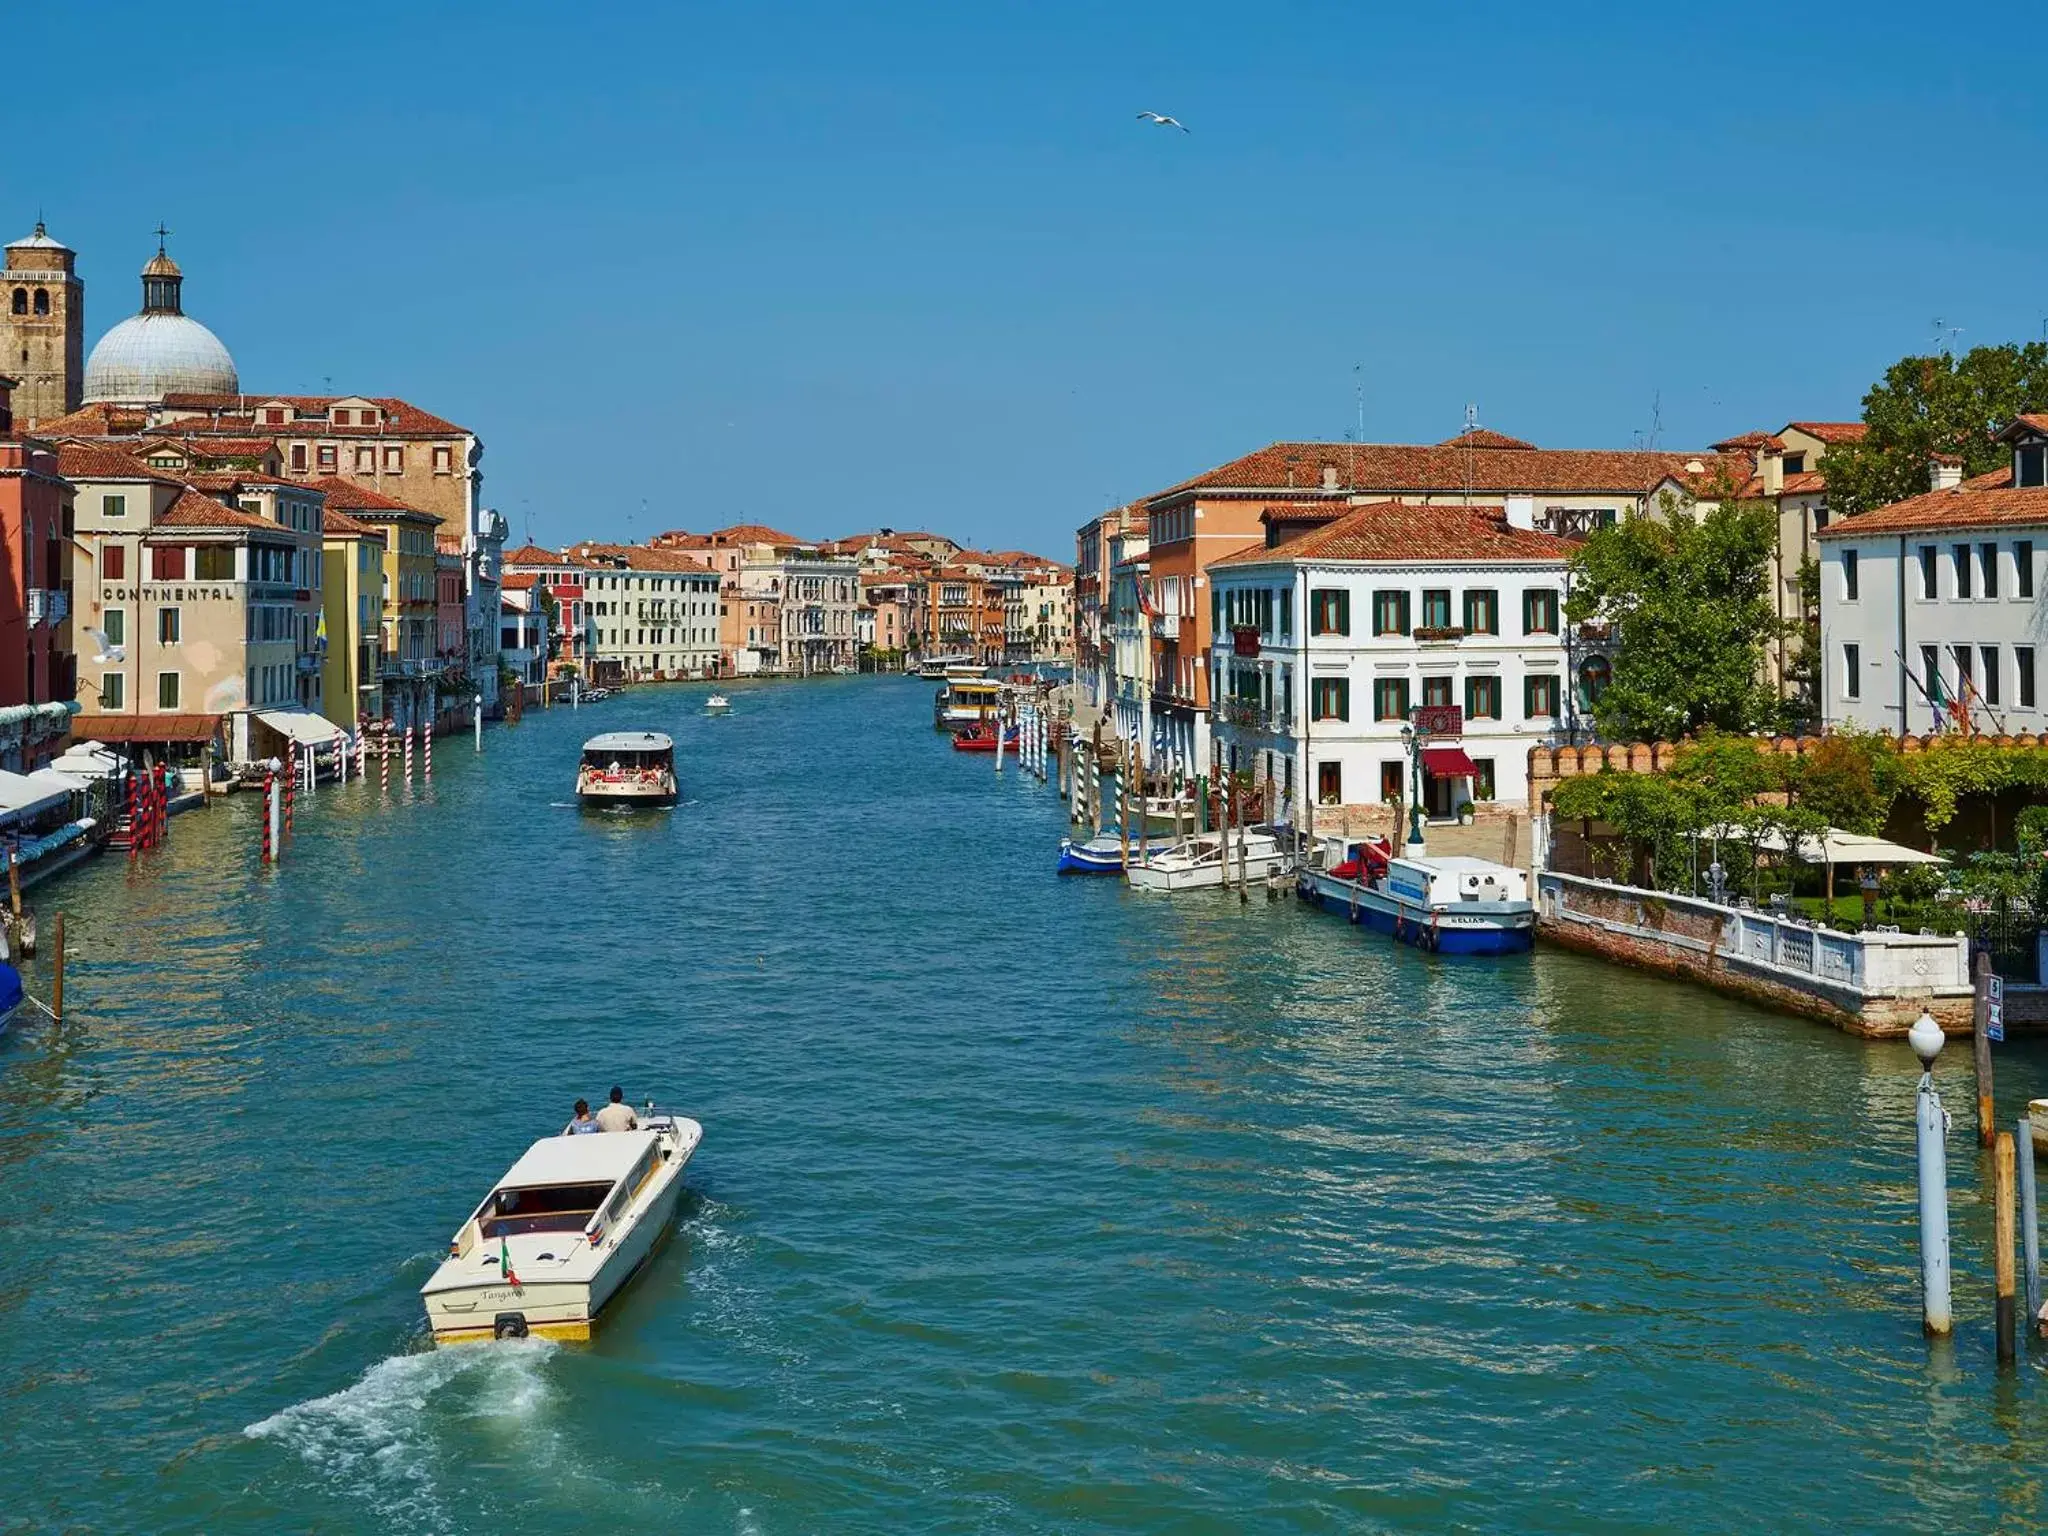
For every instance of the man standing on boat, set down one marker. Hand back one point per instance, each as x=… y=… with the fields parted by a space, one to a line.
x=617 y=1115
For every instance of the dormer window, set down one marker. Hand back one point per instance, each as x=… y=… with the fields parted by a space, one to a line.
x=1795 y=463
x=273 y=416
x=2030 y=464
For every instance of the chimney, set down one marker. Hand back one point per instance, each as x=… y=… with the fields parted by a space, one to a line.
x=1771 y=465
x=1522 y=513
x=1329 y=477
x=1946 y=472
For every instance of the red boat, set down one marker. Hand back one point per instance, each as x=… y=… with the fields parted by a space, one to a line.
x=982 y=738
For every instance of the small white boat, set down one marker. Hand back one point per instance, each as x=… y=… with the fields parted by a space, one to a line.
x=1210 y=860
x=717 y=704
x=627 y=768
x=564 y=1229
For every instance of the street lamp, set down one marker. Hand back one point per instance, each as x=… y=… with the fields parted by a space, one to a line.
x=1411 y=742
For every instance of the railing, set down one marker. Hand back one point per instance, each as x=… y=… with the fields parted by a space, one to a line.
x=1251 y=715
x=1782 y=949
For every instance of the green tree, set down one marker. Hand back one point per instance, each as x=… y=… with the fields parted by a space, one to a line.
x=1924 y=406
x=1688 y=602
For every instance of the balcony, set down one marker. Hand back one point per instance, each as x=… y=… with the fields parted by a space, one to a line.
x=1166 y=625
x=1253 y=718
x=1439 y=634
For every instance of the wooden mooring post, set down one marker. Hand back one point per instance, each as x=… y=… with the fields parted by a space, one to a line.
x=2002 y=1160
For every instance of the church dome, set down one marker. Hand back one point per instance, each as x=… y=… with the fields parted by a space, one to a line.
x=162 y=351
x=146 y=357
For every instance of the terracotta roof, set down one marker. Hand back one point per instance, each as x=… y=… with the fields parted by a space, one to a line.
x=1830 y=431
x=1407 y=469
x=518 y=581
x=94 y=461
x=1480 y=437
x=1938 y=511
x=195 y=509
x=228 y=479
x=1396 y=532
x=1747 y=442
x=1992 y=480
x=2025 y=422
x=533 y=554
x=447 y=544
x=636 y=557
x=100 y=420
x=210 y=446
x=753 y=533
x=341 y=526
x=401 y=417
x=351 y=497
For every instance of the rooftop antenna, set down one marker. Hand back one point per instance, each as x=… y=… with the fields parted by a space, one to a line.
x=1471 y=426
x=1945 y=335
x=1358 y=389
x=1656 y=418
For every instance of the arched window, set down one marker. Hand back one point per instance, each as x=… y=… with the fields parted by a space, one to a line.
x=1594 y=676
x=42 y=301
x=21 y=301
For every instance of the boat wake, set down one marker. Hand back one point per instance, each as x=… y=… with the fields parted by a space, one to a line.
x=385 y=1439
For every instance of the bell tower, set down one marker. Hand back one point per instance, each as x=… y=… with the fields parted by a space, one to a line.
x=42 y=328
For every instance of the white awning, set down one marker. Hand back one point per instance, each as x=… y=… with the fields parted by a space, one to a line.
x=1837 y=847
x=22 y=795
x=300 y=725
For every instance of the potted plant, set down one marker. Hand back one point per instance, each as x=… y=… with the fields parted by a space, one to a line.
x=1465 y=813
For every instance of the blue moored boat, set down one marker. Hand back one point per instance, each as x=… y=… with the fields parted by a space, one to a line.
x=12 y=995
x=1450 y=906
x=1096 y=856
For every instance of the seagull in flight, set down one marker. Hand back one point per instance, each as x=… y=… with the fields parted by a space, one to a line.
x=1162 y=121
x=108 y=651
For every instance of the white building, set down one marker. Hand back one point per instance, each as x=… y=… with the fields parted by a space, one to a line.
x=820 y=595
x=654 y=611
x=483 y=569
x=1350 y=619
x=522 y=630
x=1931 y=608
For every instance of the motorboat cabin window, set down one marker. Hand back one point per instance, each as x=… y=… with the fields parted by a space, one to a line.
x=547 y=1208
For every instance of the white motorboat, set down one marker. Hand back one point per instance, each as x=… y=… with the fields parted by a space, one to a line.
x=717 y=704
x=1210 y=860
x=627 y=768
x=564 y=1229
x=1452 y=906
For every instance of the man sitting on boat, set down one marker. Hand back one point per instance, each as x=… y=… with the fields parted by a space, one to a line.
x=617 y=1115
x=582 y=1124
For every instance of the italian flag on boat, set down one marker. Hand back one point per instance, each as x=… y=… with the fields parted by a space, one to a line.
x=505 y=1261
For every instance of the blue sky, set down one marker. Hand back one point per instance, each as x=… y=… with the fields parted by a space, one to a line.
x=834 y=267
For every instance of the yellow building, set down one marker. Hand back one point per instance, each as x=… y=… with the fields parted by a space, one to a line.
x=410 y=663
x=352 y=614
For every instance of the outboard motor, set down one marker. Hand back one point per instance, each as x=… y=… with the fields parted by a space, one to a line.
x=509 y=1325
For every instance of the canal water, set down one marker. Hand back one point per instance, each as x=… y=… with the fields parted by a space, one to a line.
x=1024 y=1204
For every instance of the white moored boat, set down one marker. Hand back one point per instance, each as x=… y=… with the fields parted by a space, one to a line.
x=1209 y=860
x=564 y=1229
x=627 y=768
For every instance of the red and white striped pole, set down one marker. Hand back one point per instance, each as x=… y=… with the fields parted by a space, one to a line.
x=384 y=761
x=408 y=756
x=427 y=750
x=134 y=815
x=288 y=787
x=269 y=792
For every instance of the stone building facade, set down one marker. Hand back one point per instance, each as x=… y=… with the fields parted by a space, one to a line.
x=42 y=328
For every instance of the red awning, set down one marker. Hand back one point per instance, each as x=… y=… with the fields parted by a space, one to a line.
x=1448 y=763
